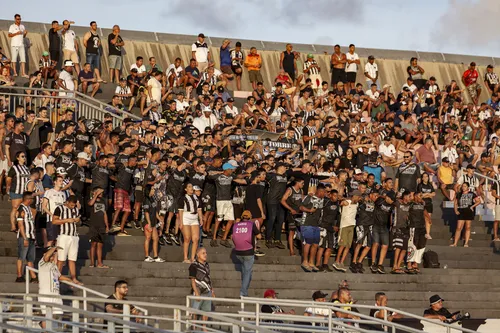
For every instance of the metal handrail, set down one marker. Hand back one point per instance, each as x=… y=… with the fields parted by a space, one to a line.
x=257 y=302
x=487 y=179
x=111 y=318
x=77 y=96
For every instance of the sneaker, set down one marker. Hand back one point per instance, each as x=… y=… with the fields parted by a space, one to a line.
x=226 y=243
x=279 y=245
x=257 y=253
x=327 y=268
x=204 y=234
x=128 y=225
x=373 y=268
x=114 y=228
x=342 y=267
x=123 y=233
x=360 y=268
x=353 y=267
x=314 y=269
x=269 y=244
x=158 y=259
x=35 y=280
x=380 y=269
x=166 y=239
x=137 y=224
x=337 y=266
x=321 y=268
x=213 y=243
x=20 y=279
x=149 y=259
x=175 y=239
x=161 y=240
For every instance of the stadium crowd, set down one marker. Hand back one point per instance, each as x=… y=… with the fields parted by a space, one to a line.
x=354 y=165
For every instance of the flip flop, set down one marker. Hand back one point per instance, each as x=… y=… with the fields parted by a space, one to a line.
x=306 y=269
x=466 y=245
x=103 y=267
x=91 y=266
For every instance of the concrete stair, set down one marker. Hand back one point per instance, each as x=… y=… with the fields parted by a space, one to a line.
x=469 y=281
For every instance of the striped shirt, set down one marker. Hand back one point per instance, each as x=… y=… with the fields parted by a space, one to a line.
x=236 y=57
x=313 y=70
x=309 y=131
x=298 y=132
x=28 y=221
x=473 y=181
x=54 y=199
x=64 y=212
x=20 y=175
x=157 y=140
x=37 y=203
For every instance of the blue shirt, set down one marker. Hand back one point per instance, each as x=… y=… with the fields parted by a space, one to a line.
x=47 y=182
x=376 y=170
x=225 y=56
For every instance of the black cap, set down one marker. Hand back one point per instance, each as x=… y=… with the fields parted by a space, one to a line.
x=371 y=57
x=178 y=122
x=470 y=166
x=434 y=299
x=230 y=99
x=318 y=294
x=445 y=159
x=71 y=123
x=201 y=35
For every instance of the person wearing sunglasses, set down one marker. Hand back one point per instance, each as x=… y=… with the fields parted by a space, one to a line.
x=17 y=178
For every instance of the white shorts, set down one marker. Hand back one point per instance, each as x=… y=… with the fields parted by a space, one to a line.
x=55 y=311
x=4 y=166
x=190 y=220
x=316 y=80
x=16 y=51
x=225 y=209
x=69 y=246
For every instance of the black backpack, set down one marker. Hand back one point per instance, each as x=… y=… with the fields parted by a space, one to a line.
x=431 y=260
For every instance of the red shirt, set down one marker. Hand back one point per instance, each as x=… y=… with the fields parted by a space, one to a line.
x=470 y=77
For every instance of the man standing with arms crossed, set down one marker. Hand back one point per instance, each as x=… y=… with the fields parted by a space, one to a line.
x=17 y=32
x=92 y=43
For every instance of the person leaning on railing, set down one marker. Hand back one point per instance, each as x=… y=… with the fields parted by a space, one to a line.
x=121 y=291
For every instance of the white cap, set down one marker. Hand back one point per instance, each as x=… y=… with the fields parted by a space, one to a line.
x=196 y=188
x=68 y=63
x=83 y=155
x=207 y=109
x=233 y=163
x=357 y=171
x=61 y=171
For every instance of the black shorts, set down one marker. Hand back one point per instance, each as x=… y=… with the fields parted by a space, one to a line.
x=350 y=77
x=96 y=235
x=150 y=209
x=466 y=214
x=238 y=210
x=400 y=238
x=429 y=208
x=380 y=235
x=293 y=221
x=328 y=239
x=54 y=55
x=338 y=75
x=139 y=196
x=234 y=68
x=364 y=235
x=40 y=221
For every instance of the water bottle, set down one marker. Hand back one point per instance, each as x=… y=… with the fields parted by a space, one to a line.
x=445 y=266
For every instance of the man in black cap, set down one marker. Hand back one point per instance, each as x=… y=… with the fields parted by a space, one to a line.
x=318 y=296
x=436 y=310
x=200 y=52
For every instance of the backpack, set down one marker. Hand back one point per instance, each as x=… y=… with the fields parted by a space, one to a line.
x=431 y=260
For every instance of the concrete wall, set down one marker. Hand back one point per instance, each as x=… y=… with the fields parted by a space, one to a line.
x=166 y=47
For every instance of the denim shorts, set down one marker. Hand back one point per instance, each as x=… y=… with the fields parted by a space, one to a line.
x=310 y=234
x=26 y=253
x=380 y=235
x=14 y=196
x=203 y=305
x=94 y=60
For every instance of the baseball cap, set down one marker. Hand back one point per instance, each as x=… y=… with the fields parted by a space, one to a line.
x=386 y=86
x=230 y=99
x=318 y=294
x=310 y=55
x=357 y=171
x=68 y=63
x=83 y=155
x=178 y=122
x=228 y=166
x=445 y=159
x=162 y=121
x=45 y=53
x=201 y=35
x=270 y=293
x=233 y=163
x=434 y=299
x=246 y=215
x=196 y=188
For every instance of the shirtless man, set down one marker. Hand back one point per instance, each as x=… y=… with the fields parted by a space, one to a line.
x=338 y=61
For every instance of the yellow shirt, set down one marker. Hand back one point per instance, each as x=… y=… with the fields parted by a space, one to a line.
x=445 y=174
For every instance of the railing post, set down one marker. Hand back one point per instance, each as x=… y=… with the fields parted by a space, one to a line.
x=126 y=317
x=49 y=316
x=75 y=317
x=257 y=315
x=386 y=328
x=27 y=279
x=28 y=310
x=85 y=319
x=330 y=320
x=177 y=320
x=111 y=327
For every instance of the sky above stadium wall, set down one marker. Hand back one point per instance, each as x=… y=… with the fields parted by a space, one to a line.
x=450 y=26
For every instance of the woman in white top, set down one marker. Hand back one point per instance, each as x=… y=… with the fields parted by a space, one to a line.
x=191 y=217
x=154 y=88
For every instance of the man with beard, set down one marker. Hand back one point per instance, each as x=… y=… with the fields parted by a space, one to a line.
x=407 y=174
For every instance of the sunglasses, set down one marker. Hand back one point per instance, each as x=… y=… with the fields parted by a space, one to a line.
x=407 y=156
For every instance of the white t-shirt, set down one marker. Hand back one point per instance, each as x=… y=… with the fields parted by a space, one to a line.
x=140 y=70
x=451 y=153
x=318 y=312
x=371 y=69
x=48 y=276
x=348 y=215
x=177 y=71
x=201 y=51
x=123 y=90
x=388 y=151
x=55 y=198
x=412 y=87
x=179 y=106
x=373 y=95
x=351 y=67
x=16 y=41
x=234 y=110
x=40 y=162
x=155 y=90
x=68 y=80
x=69 y=40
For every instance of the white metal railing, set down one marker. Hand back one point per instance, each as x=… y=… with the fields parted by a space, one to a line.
x=85 y=291
x=84 y=105
x=251 y=310
x=486 y=188
x=107 y=322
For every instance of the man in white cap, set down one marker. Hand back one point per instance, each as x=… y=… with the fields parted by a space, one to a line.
x=208 y=119
x=66 y=81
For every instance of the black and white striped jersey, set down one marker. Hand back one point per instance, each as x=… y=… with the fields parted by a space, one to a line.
x=68 y=229
x=28 y=221
x=20 y=175
x=312 y=71
x=309 y=131
x=37 y=199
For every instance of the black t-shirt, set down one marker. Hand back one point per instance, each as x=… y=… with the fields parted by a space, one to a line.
x=383 y=209
x=175 y=182
x=401 y=216
x=426 y=188
x=125 y=177
x=197 y=179
x=77 y=175
x=45 y=130
x=54 y=40
x=81 y=138
x=365 y=213
x=442 y=312
x=17 y=143
x=312 y=219
x=408 y=176
x=60 y=126
x=330 y=215
x=122 y=159
x=223 y=185
x=97 y=212
x=277 y=187
x=113 y=49
x=417 y=215
x=100 y=177
x=64 y=160
x=254 y=192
